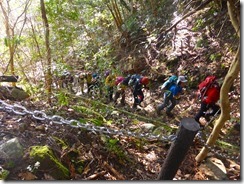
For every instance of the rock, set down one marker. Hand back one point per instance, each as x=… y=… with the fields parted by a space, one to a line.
x=11 y=150
x=13 y=93
x=49 y=163
x=19 y=94
x=214 y=169
x=3 y=173
x=148 y=126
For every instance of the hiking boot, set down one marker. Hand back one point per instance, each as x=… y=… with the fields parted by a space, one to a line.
x=169 y=114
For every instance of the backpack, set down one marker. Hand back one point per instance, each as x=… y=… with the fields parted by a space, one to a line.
x=118 y=80
x=133 y=79
x=168 y=83
x=126 y=80
x=204 y=85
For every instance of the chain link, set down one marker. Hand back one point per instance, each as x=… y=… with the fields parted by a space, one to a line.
x=55 y=119
x=213 y=149
x=40 y=115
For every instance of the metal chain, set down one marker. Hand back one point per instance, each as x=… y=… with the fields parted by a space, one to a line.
x=213 y=149
x=40 y=115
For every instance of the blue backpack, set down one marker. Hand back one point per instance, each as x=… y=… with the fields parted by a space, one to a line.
x=133 y=79
x=168 y=83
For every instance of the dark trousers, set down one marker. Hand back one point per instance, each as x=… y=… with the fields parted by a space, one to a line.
x=117 y=95
x=203 y=109
x=138 y=97
x=110 y=91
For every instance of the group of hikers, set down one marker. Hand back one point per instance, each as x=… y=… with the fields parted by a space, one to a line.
x=115 y=86
x=172 y=89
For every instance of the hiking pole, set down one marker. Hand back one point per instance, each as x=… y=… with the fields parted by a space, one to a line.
x=212 y=119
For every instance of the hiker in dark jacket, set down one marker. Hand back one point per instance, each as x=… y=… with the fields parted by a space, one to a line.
x=171 y=95
x=209 y=101
x=139 y=83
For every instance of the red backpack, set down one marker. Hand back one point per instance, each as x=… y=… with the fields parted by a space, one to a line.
x=204 y=85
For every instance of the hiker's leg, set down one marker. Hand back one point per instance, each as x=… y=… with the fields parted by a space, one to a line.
x=165 y=103
x=116 y=96
x=122 y=97
x=110 y=93
x=172 y=105
x=141 y=96
x=136 y=100
x=201 y=112
x=214 y=108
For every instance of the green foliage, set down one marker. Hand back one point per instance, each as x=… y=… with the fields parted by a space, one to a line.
x=113 y=146
x=12 y=41
x=131 y=24
x=199 y=24
x=215 y=57
x=10 y=164
x=97 y=118
x=60 y=142
x=228 y=146
x=4 y=174
x=202 y=42
x=63 y=98
x=97 y=122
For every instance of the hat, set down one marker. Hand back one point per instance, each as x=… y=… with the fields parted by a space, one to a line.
x=181 y=79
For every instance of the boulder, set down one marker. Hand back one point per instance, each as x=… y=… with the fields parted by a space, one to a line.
x=49 y=163
x=11 y=150
x=13 y=93
x=214 y=169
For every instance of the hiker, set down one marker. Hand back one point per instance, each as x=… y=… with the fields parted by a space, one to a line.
x=172 y=92
x=96 y=82
x=209 y=91
x=66 y=81
x=110 y=83
x=88 y=78
x=81 y=81
x=122 y=85
x=138 y=82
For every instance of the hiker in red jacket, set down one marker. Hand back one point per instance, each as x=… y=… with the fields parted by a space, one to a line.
x=209 y=99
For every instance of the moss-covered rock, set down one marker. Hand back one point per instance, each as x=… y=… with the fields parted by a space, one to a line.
x=49 y=163
x=13 y=93
x=3 y=174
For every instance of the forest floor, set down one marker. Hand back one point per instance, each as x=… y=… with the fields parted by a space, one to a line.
x=114 y=157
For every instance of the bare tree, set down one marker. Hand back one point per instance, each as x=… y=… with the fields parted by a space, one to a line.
x=11 y=40
x=47 y=71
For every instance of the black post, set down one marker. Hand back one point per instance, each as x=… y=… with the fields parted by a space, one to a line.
x=178 y=149
x=5 y=78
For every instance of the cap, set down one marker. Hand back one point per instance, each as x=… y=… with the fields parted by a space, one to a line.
x=181 y=79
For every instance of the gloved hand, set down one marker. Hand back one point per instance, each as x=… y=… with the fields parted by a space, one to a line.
x=177 y=97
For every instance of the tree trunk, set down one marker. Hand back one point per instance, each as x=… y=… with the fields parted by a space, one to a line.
x=228 y=82
x=47 y=72
x=10 y=41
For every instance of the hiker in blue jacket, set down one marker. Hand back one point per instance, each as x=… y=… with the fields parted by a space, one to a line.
x=171 y=95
